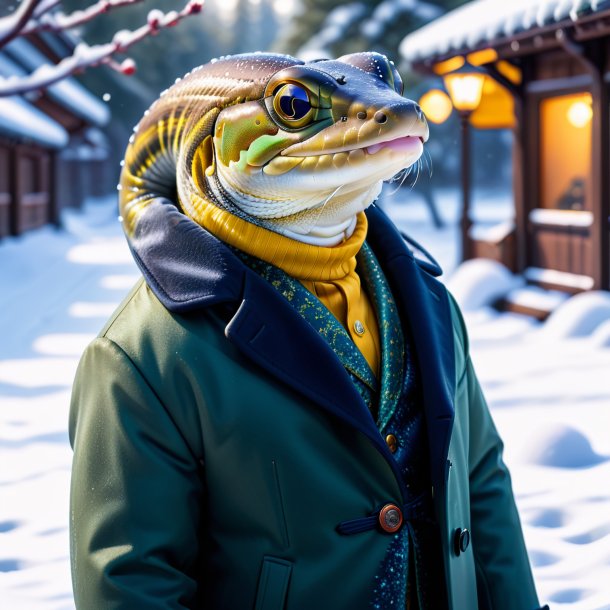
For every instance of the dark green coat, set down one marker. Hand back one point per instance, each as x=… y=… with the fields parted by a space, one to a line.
x=218 y=443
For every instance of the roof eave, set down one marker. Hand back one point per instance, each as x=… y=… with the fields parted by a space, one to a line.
x=527 y=42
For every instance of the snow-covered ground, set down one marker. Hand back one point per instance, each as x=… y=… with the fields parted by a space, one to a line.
x=550 y=397
x=56 y=290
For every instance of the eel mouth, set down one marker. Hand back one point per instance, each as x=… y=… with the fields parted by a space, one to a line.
x=403 y=144
x=409 y=143
x=337 y=158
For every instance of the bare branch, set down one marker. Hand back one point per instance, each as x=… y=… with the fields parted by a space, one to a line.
x=58 y=21
x=12 y=25
x=85 y=56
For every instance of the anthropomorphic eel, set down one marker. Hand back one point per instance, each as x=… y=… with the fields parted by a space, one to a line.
x=283 y=414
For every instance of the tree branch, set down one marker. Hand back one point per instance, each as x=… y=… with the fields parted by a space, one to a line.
x=58 y=21
x=85 y=56
x=12 y=25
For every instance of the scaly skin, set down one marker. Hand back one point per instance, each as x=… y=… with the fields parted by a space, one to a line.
x=300 y=160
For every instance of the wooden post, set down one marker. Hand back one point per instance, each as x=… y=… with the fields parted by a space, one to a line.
x=601 y=208
x=54 y=210
x=604 y=219
x=465 y=222
x=16 y=190
x=600 y=157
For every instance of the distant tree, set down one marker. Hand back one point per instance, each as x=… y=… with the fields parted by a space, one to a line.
x=333 y=27
x=34 y=16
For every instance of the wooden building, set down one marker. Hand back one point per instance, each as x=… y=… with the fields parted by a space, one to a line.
x=546 y=65
x=53 y=153
x=29 y=145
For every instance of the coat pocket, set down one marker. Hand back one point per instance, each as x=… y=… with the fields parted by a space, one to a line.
x=273 y=584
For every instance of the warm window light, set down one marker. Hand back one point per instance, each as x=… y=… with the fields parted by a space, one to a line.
x=436 y=105
x=465 y=87
x=579 y=114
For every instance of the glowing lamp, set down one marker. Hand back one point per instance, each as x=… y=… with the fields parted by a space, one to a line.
x=579 y=114
x=436 y=105
x=465 y=86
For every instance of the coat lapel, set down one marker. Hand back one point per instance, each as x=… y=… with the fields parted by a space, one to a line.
x=268 y=330
x=423 y=301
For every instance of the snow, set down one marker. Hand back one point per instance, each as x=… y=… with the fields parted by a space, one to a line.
x=561 y=278
x=46 y=276
x=480 y=282
x=67 y=92
x=549 y=395
x=601 y=335
x=562 y=218
x=19 y=119
x=562 y=446
x=22 y=120
x=491 y=234
x=481 y=22
x=580 y=316
x=535 y=297
x=551 y=403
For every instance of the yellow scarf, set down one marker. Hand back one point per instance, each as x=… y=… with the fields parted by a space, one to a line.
x=329 y=273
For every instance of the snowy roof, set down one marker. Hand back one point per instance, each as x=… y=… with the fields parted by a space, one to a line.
x=20 y=120
x=9 y=68
x=61 y=43
x=484 y=22
x=68 y=92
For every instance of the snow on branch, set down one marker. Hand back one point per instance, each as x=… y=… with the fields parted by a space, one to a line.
x=58 y=21
x=12 y=25
x=85 y=56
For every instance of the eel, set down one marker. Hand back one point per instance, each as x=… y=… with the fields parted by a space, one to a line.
x=298 y=148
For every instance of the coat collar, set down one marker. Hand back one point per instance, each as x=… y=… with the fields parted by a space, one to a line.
x=188 y=268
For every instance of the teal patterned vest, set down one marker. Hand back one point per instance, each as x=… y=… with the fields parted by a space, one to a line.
x=395 y=400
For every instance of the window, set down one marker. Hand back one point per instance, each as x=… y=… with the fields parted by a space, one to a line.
x=565 y=152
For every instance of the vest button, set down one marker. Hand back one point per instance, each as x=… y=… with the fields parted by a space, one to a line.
x=390 y=518
x=359 y=328
x=392 y=442
x=461 y=540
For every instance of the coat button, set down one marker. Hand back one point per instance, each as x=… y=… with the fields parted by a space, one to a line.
x=359 y=328
x=461 y=540
x=392 y=442
x=390 y=518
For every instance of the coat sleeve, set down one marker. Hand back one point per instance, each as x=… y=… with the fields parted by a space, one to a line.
x=135 y=492
x=504 y=576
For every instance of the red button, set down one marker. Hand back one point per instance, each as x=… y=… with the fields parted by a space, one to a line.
x=390 y=518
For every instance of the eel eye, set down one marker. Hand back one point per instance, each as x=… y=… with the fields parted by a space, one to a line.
x=291 y=103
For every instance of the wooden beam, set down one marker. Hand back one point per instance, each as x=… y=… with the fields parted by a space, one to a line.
x=558 y=86
x=519 y=183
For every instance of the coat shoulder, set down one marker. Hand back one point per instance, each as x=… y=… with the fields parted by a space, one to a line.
x=142 y=325
x=166 y=345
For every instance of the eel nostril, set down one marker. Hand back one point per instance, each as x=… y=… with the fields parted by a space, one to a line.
x=361 y=115
x=380 y=117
